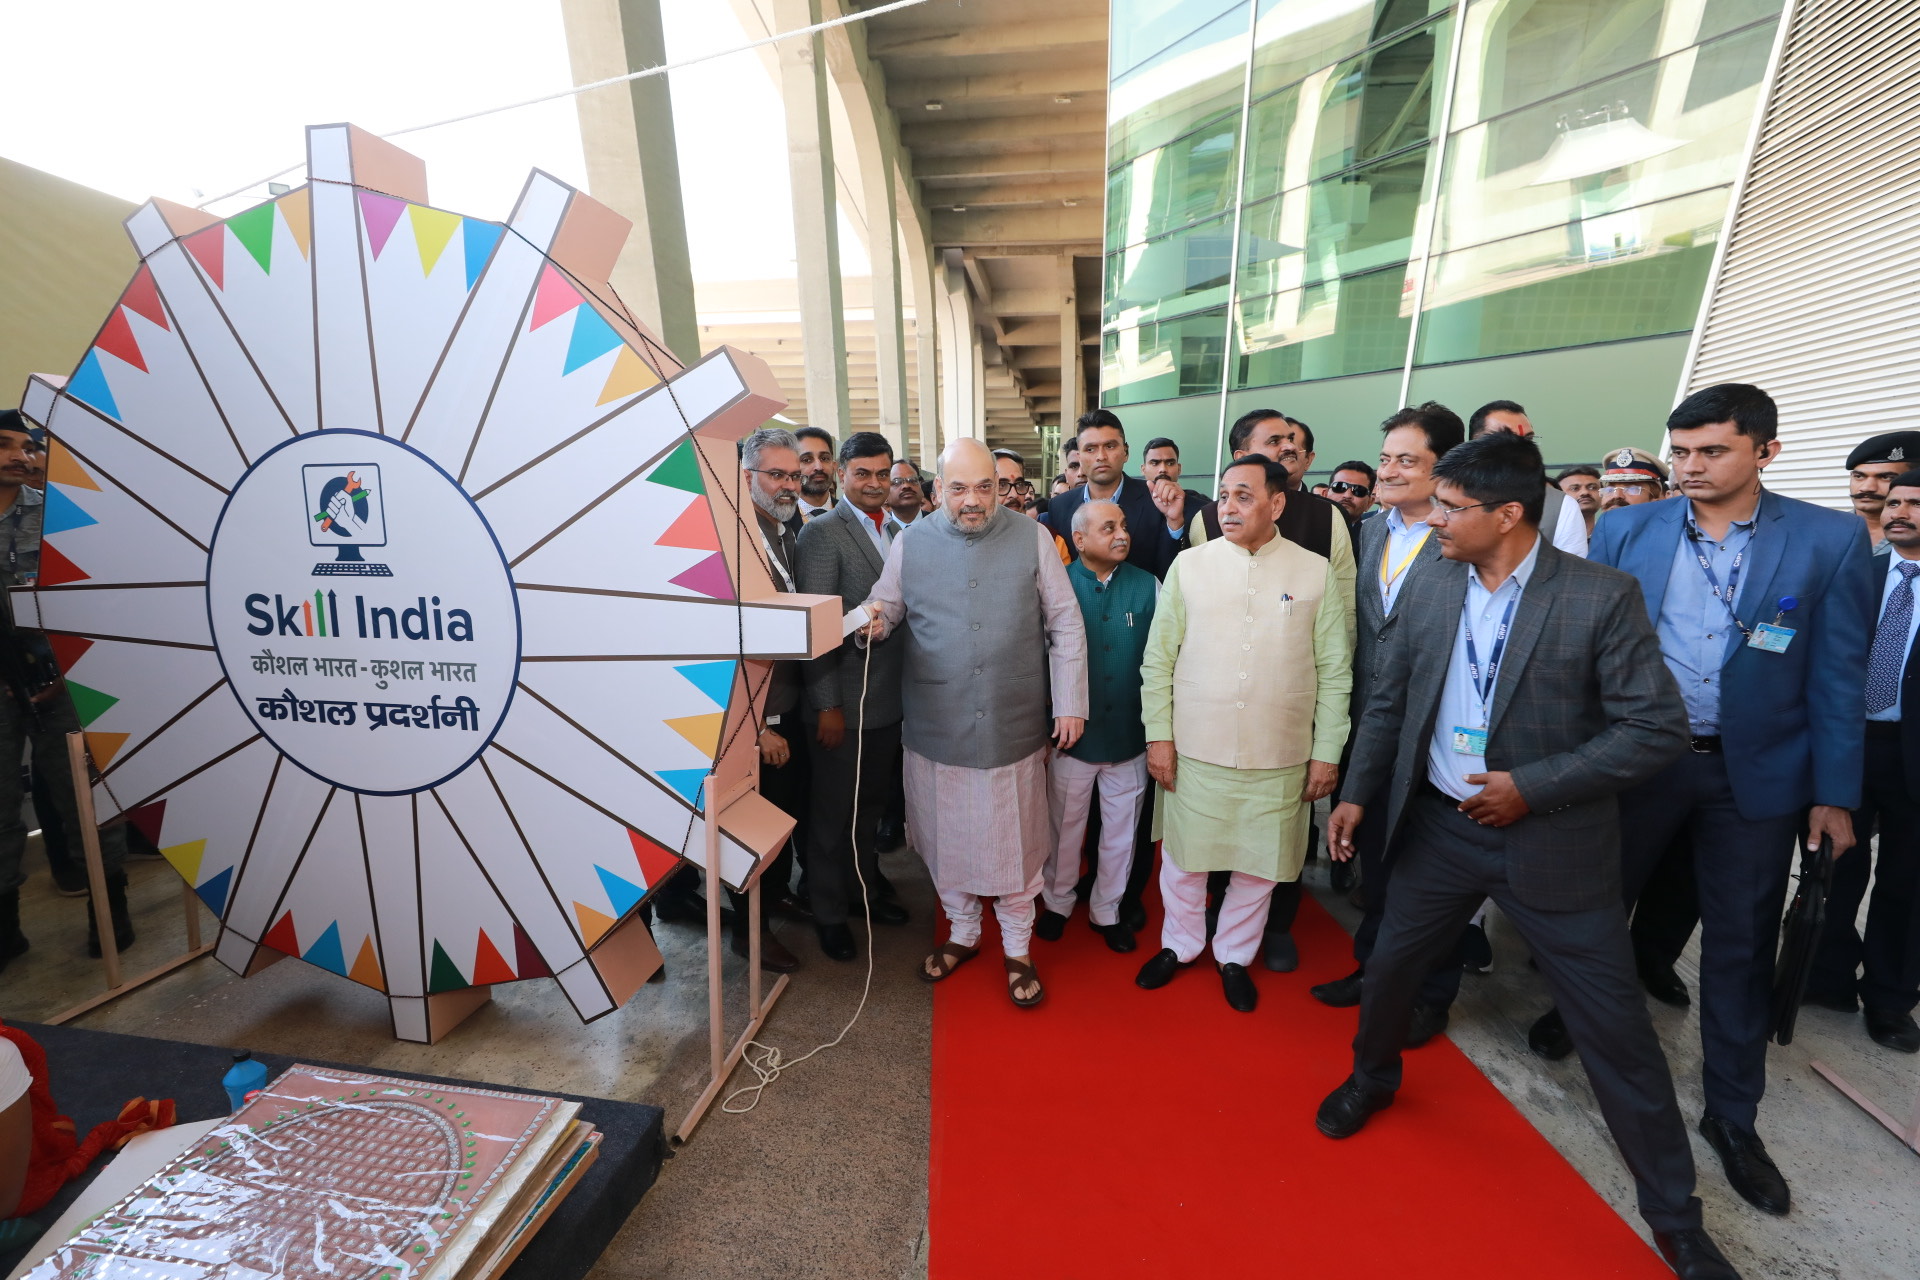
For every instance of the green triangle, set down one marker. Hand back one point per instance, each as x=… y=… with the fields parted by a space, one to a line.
x=681 y=470
x=445 y=976
x=254 y=229
x=90 y=703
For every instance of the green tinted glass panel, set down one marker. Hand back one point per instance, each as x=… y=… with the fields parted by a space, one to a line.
x=1340 y=226
x=1535 y=50
x=1171 y=186
x=1199 y=78
x=1182 y=272
x=1623 y=273
x=1158 y=361
x=1294 y=37
x=1717 y=17
x=1273 y=129
x=1143 y=30
x=1357 y=324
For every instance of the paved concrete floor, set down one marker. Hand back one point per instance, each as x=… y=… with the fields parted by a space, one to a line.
x=828 y=1176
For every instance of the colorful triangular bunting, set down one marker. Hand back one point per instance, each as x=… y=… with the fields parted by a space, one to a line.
x=214 y=891
x=62 y=468
x=709 y=578
x=489 y=966
x=143 y=297
x=185 y=858
x=209 y=249
x=68 y=650
x=116 y=338
x=680 y=470
x=432 y=229
x=366 y=967
x=629 y=376
x=105 y=746
x=148 y=819
x=702 y=731
x=592 y=338
x=692 y=529
x=444 y=975
x=593 y=924
x=326 y=951
x=686 y=782
x=527 y=960
x=283 y=936
x=554 y=297
x=621 y=892
x=254 y=230
x=380 y=214
x=477 y=239
x=90 y=704
x=656 y=861
x=56 y=570
x=89 y=385
x=62 y=514
x=296 y=210
x=715 y=679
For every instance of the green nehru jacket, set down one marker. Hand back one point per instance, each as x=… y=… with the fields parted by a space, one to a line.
x=1118 y=615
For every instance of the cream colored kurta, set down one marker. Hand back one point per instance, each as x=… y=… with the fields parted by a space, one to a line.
x=1247 y=672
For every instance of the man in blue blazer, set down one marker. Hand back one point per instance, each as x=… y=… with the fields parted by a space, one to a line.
x=1764 y=609
x=1103 y=460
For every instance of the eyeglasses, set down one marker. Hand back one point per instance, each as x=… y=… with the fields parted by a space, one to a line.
x=1347 y=486
x=1016 y=486
x=1447 y=513
x=777 y=476
x=1631 y=490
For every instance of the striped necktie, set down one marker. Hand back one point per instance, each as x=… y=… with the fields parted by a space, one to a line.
x=1890 y=643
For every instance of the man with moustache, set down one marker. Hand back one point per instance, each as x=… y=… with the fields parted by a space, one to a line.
x=994 y=633
x=816 y=472
x=1351 y=489
x=1632 y=477
x=1582 y=485
x=906 y=495
x=1562 y=520
x=1870 y=468
x=1103 y=460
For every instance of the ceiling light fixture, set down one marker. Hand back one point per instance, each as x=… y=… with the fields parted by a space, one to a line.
x=959 y=208
x=1070 y=203
x=1062 y=99
x=936 y=105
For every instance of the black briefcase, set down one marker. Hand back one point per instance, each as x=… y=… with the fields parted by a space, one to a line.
x=1800 y=937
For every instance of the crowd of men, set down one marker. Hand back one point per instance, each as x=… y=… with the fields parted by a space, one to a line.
x=1612 y=706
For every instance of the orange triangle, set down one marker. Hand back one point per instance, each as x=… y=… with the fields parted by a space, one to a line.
x=692 y=529
x=297 y=209
x=63 y=469
x=630 y=375
x=593 y=924
x=489 y=966
x=282 y=937
x=702 y=731
x=656 y=862
x=105 y=746
x=366 y=967
x=56 y=570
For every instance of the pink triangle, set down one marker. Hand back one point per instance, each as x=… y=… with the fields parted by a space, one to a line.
x=209 y=249
x=709 y=578
x=380 y=213
x=554 y=297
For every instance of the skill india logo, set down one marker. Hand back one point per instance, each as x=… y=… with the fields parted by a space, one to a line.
x=345 y=512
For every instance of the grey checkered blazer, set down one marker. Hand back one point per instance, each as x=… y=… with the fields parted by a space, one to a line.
x=1585 y=707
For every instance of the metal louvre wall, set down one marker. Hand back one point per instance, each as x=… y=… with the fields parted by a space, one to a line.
x=1817 y=294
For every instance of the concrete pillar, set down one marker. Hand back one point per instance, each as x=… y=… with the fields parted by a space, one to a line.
x=960 y=357
x=1073 y=383
x=626 y=132
x=816 y=232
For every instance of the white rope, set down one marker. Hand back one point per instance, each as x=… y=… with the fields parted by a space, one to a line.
x=662 y=69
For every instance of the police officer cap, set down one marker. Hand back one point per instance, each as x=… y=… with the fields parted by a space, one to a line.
x=1894 y=446
x=1630 y=464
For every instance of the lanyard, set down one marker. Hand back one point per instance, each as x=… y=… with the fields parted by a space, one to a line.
x=1387 y=579
x=1484 y=688
x=1733 y=577
x=775 y=561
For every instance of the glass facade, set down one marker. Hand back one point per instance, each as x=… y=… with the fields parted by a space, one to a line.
x=1308 y=189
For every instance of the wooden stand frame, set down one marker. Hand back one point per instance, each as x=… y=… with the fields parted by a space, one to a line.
x=1908 y=1133
x=97 y=889
x=721 y=1059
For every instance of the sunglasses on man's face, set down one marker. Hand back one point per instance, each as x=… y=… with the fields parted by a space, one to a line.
x=1347 y=486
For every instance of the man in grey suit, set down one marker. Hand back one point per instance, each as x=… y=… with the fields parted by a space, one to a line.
x=1520 y=692
x=852 y=701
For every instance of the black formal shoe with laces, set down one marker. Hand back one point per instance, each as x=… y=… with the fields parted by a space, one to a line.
x=1159 y=971
x=1693 y=1254
x=1429 y=1020
x=1279 y=953
x=1133 y=914
x=1345 y=1111
x=1237 y=983
x=1893 y=1029
x=1050 y=926
x=886 y=911
x=1118 y=936
x=1341 y=993
x=1664 y=985
x=836 y=941
x=1548 y=1036
x=1750 y=1170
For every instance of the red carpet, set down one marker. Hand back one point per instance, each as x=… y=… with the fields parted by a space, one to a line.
x=1115 y=1132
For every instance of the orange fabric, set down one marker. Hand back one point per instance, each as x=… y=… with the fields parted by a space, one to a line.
x=59 y=1154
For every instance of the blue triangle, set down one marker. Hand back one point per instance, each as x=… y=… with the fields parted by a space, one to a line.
x=592 y=338
x=477 y=239
x=715 y=679
x=214 y=891
x=63 y=513
x=326 y=953
x=621 y=893
x=89 y=386
x=685 y=781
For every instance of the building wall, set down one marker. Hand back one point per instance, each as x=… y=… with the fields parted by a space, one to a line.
x=64 y=259
x=1492 y=198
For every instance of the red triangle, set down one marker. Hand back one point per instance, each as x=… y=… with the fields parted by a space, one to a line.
x=526 y=957
x=554 y=297
x=692 y=529
x=68 y=650
x=117 y=339
x=56 y=570
x=143 y=297
x=656 y=863
x=282 y=937
x=209 y=249
x=147 y=820
x=489 y=966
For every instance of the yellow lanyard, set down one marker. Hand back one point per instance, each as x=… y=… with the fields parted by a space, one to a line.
x=1387 y=579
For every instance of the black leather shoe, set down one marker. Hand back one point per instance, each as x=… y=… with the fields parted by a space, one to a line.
x=885 y=886
x=1344 y=1112
x=1893 y=1029
x=886 y=911
x=1838 y=1001
x=1750 y=1170
x=1050 y=926
x=774 y=956
x=836 y=941
x=1159 y=971
x=1694 y=1255
x=792 y=907
x=1242 y=995
x=889 y=837
x=1279 y=952
x=1133 y=914
x=1664 y=985
x=1118 y=936
x=1429 y=1020
x=1548 y=1036
x=1341 y=993
x=1340 y=876
x=1479 y=957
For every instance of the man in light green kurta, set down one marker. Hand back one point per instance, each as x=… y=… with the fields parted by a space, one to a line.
x=1244 y=696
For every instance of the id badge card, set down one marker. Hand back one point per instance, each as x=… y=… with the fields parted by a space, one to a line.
x=1469 y=742
x=1771 y=638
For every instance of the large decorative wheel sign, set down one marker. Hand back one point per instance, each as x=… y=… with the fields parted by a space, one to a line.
x=401 y=583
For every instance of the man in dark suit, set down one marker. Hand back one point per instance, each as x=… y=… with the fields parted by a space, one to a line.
x=1763 y=605
x=852 y=702
x=1103 y=456
x=1890 y=797
x=1520 y=691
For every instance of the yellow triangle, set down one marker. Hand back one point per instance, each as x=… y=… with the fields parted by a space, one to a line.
x=593 y=924
x=298 y=212
x=366 y=967
x=186 y=858
x=105 y=746
x=702 y=731
x=629 y=376
x=432 y=228
x=62 y=468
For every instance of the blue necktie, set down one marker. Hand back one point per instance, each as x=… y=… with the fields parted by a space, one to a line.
x=1889 y=654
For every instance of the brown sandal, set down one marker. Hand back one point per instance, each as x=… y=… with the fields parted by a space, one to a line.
x=1020 y=972
x=949 y=957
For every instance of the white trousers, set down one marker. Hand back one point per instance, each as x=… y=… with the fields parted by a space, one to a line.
x=1123 y=785
x=1243 y=914
x=1015 y=912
